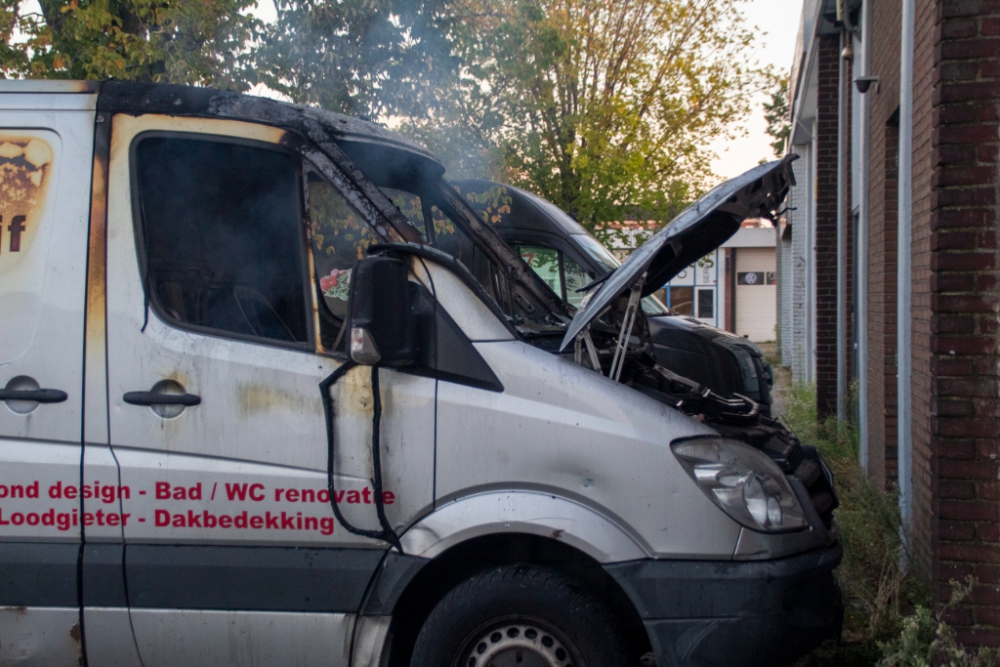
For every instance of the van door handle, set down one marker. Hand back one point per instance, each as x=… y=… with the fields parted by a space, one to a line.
x=36 y=395
x=151 y=398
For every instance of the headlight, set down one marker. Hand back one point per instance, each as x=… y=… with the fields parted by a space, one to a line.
x=743 y=481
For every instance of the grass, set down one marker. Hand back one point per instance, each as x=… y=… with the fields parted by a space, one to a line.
x=877 y=595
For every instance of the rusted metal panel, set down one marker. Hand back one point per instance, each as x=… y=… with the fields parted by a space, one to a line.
x=95 y=345
x=40 y=637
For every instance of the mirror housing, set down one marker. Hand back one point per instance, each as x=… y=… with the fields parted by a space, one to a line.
x=381 y=325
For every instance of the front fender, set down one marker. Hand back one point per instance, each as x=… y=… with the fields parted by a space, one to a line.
x=524 y=512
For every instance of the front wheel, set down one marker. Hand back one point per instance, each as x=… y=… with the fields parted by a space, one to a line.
x=520 y=616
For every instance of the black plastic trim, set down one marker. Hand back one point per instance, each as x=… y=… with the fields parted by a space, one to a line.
x=38 y=574
x=104 y=575
x=396 y=573
x=36 y=395
x=735 y=614
x=452 y=264
x=249 y=578
x=157 y=398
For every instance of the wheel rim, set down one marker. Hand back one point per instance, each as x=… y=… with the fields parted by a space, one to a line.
x=517 y=643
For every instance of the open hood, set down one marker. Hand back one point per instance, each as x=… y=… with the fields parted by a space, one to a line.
x=697 y=231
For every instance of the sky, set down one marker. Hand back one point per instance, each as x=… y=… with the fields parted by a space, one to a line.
x=780 y=20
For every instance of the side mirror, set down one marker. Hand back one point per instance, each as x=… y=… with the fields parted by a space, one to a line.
x=381 y=326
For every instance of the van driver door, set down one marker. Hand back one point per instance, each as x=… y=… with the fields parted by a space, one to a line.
x=220 y=330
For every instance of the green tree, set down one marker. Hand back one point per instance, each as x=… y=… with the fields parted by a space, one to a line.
x=776 y=113
x=175 y=41
x=605 y=108
x=375 y=58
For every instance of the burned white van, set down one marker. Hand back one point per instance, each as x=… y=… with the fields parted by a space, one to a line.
x=275 y=395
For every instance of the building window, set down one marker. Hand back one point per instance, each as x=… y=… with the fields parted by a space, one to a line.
x=706 y=304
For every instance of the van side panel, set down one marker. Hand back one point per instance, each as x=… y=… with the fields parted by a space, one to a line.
x=44 y=207
x=46 y=142
x=40 y=636
x=170 y=637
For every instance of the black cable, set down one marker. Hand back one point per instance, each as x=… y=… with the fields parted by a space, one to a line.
x=387 y=530
x=386 y=533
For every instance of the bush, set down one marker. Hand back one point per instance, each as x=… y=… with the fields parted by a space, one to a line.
x=876 y=592
x=925 y=640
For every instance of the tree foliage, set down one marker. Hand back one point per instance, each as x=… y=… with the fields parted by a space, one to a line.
x=605 y=108
x=776 y=113
x=375 y=58
x=176 y=41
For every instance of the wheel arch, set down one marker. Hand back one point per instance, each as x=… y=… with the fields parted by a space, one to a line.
x=491 y=530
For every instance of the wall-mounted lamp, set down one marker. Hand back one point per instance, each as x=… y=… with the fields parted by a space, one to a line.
x=863 y=83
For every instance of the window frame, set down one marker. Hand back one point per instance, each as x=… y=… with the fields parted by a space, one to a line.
x=151 y=301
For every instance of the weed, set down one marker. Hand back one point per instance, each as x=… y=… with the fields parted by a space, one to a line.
x=874 y=586
x=925 y=640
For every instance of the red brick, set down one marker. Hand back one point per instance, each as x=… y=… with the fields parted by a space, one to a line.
x=953 y=324
x=957 y=28
x=978 y=636
x=988 y=532
x=965 y=134
x=956 y=531
x=983 y=47
x=976 y=196
x=955 y=154
x=969 y=7
x=964 y=428
x=970 y=553
x=951 y=367
x=966 y=261
x=965 y=175
x=953 y=241
x=967 y=510
x=952 y=282
x=986 y=616
x=967 y=470
x=964 y=345
x=990 y=26
x=962 y=303
x=943 y=407
x=956 y=490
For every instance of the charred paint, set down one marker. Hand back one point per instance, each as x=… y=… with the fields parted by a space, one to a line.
x=25 y=171
x=97 y=252
x=357 y=390
x=255 y=399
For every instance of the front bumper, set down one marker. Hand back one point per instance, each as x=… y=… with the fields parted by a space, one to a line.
x=735 y=614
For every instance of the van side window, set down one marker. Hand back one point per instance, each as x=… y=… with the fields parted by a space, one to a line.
x=340 y=239
x=222 y=237
x=558 y=270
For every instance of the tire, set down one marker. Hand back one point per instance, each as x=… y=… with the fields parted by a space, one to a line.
x=520 y=615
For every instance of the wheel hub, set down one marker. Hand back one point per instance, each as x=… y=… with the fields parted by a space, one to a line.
x=517 y=645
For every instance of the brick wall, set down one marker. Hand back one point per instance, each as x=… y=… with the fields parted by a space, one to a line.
x=923 y=462
x=826 y=225
x=883 y=141
x=956 y=300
